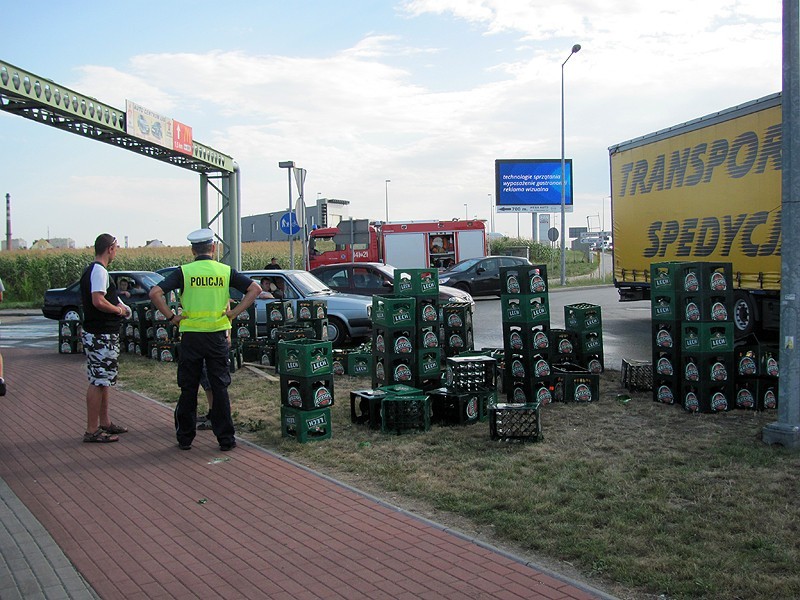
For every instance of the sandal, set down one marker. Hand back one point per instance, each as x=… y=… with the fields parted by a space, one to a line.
x=114 y=429
x=99 y=437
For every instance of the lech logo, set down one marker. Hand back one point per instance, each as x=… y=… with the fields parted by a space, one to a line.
x=289 y=224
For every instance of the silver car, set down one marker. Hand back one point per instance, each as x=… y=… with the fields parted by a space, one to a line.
x=349 y=316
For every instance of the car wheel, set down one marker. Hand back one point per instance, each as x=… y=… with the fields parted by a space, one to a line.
x=464 y=287
x=744 y=314
x=71 y=313
x=337 y=332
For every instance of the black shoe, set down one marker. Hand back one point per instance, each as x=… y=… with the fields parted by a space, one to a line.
x=183 y=446
x=2 y=387
x=204 y=425
x=226 y=447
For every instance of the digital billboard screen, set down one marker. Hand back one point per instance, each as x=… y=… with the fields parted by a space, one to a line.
x=532 y=185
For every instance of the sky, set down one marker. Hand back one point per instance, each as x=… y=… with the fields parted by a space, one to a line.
x=424 y=93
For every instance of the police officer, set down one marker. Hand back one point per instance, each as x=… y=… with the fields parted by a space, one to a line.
x=204 y=285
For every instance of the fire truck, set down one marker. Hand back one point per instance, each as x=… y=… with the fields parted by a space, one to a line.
x=405 y=245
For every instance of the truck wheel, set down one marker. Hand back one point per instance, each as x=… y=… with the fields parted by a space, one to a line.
x=744 y=314
x=337 y=332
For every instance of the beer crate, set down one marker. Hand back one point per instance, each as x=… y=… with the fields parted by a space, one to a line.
x=358 y=364
x=455 y=408
x=400 y=389
x=164 y=331
x=234 y=358
x=416 y=282
x=592 y=363
x=638 y=374
x=339 y=362
x=307 y=393
x=393 y=311
x=524 y=337
x=456 y=315
x=677 y=276
x=288 y=333
x=563 y=345
x=753 y=358
x=306 y=425
x=523 y=279
x=707 y=367
x=69 y=329
x=429 y=363
x=521 y=366
x=389 y=370
x=717 y=276
x=589 y=342
x=258 y=351
x=706 y=308
x=395 y=341
x=405 y=413
x=318 y=329
x=307 y=358
x=583 y=317
x=72 y=345
x=526 y=391
x=458 y=341
x=428 y=337
x=166 y=351
x=427 y=311
x=515 y=422
x=707 y=397
x=312 y=310
x=280 y=312
x=243 y=330
x=756 y=393
x=666 y=390
x=707 y=337
x=365 y=407
x=665 y=305
x=471 y=373
x=525 y=308
x=248 y=315
x=572 y=383
x=666 y=335
x=666 y=363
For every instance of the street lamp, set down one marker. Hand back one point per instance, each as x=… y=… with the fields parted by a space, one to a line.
x=491 y=214
x=575 y=48
x=387 y=199
x=289 y=165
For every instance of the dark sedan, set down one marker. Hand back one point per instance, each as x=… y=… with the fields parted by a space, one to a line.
x=479 y=276
x=65 y=303
x=370 y=279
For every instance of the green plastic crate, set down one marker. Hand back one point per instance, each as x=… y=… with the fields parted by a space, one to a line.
x=405 y=413
x=416 y=282
x=393 y=310
x=307 y=358
x=306 y=425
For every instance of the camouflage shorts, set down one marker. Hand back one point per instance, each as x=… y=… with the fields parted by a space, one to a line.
x=102 y=356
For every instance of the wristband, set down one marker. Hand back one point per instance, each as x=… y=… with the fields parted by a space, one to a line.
x=172 y=317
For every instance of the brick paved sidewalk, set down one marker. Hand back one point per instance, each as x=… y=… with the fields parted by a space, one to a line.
x=142 y=519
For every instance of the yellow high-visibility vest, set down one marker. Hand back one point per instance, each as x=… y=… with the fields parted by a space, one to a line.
x=205 y=296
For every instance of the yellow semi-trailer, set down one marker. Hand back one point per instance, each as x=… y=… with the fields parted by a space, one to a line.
x=705 y=190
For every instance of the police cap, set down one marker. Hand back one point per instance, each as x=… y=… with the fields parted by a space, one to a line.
x=201 y=236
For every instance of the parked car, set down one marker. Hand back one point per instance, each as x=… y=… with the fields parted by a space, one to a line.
x=63 y=303
x=166 y=271
x=371 y=278
x=479 y=276
x=349 y=316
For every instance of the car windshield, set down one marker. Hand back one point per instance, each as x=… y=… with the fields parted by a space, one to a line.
x=463 y=265
x=308 y=284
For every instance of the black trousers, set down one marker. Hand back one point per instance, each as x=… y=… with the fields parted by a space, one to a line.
x=211 y=348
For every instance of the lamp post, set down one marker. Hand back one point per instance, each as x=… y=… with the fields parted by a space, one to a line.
x=387 y=199
x=289 y=165
x=575 y=48
x=491 y=214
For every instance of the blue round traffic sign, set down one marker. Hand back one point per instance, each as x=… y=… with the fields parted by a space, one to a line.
x=289 y=224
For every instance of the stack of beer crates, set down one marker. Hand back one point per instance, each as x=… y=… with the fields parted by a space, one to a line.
x=756 y=378
x=456 y=328
x=470 y=390
x=163 y=337
x=405 y=342
x=701 y=297
x=584 y=321
x=314 y=315
x=305 y=369
x=244 y=334
x=69 y=335
x=525 y=309
x=423 y=286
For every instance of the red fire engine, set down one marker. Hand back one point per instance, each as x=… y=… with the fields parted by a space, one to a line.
x=406 y=245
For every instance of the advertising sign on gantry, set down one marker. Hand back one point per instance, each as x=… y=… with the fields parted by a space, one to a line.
x=532 y=185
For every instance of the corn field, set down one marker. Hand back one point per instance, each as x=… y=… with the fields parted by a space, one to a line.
x=26 y=274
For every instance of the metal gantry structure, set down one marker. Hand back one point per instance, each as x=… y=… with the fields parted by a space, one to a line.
x=42 y=100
